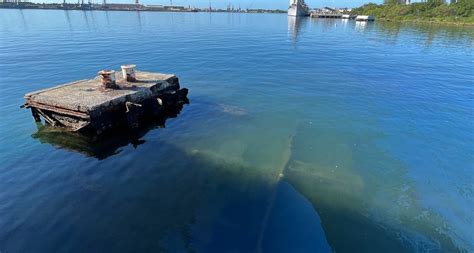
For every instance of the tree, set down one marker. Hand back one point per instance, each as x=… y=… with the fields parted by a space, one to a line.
x=464 y=7
x=392 y=2
x=435 y=3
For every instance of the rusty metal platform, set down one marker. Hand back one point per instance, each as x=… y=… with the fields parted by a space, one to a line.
x=79 y=104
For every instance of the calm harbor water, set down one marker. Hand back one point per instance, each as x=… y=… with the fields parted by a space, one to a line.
x=301 y=136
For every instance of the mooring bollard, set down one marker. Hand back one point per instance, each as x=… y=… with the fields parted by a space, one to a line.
x=128 y=72
x=107 y=78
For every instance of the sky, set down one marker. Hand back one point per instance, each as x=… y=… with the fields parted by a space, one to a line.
x=251 y=4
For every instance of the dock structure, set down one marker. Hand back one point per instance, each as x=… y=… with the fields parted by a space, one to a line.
x=110 y=100
x=364 y=18
x=341 y=16
x=348 y=16
x=326 y=15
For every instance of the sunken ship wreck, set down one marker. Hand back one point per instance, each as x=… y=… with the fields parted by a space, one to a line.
x=112 y=99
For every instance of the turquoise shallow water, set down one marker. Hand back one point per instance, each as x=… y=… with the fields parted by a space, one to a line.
x=301 y=136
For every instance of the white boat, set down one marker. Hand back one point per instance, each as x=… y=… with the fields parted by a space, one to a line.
x=365 y=18
x=298 y=8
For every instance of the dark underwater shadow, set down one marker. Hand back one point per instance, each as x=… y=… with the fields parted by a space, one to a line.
x=179 y=201
x=105 y=145
x=191 y=201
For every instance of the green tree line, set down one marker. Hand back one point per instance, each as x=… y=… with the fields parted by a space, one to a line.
x=430 y=10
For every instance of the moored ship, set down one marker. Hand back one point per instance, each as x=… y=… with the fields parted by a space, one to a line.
x=298 y=8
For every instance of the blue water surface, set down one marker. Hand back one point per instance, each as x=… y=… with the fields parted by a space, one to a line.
x=306 y=135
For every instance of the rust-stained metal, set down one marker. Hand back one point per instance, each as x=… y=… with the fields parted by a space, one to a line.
x=59 y=110
x=107 y=78
x=88 y=105
x=35 y=114
x=128 y=72
x=47 y=118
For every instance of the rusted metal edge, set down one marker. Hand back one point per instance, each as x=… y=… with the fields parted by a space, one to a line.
x=84 y=124
x=47 y=118
x=57 y=109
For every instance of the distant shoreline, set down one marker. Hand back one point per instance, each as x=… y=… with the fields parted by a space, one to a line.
x=422 y=21
x=127 y=7
x=73 y=7
x=437 y=12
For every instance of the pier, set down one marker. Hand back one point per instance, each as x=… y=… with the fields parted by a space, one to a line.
x=326 y=15
x=364 y=18
x=342 y=16
x=113 y=99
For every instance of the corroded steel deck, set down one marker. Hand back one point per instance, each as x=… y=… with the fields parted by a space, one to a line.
x=85 y=96
x=87 y=103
